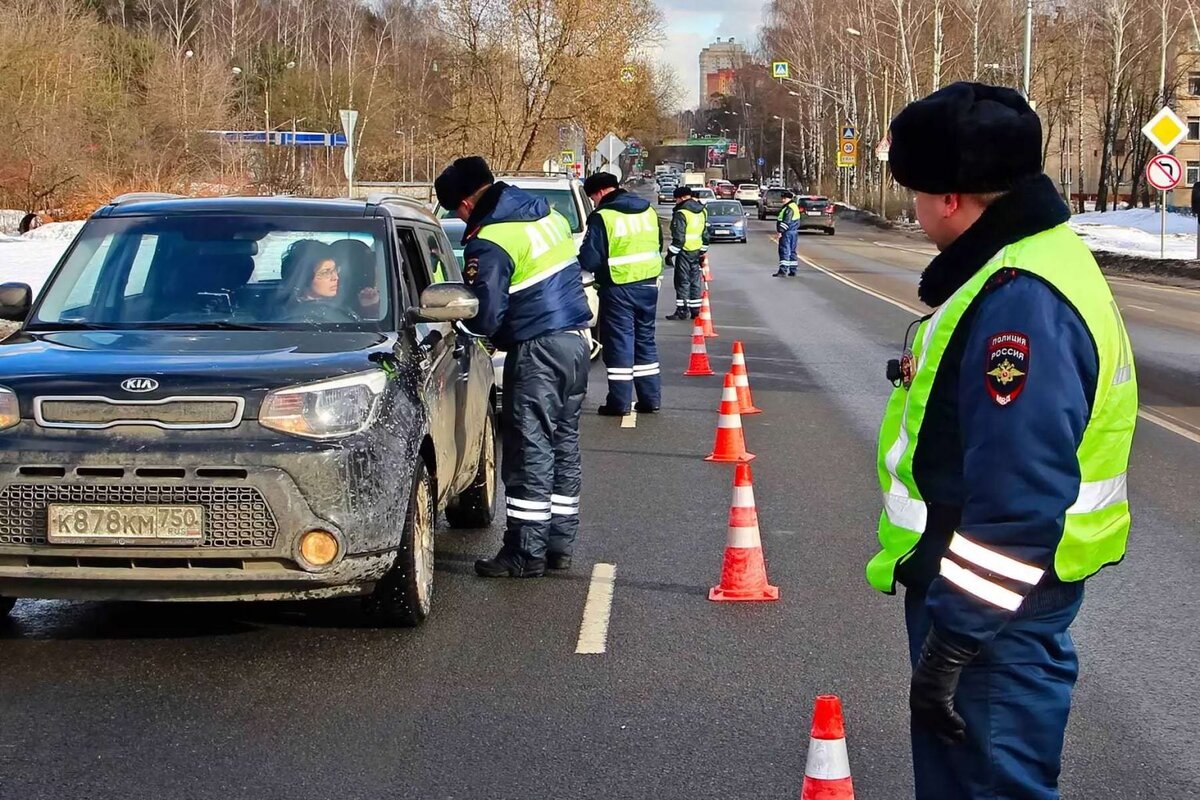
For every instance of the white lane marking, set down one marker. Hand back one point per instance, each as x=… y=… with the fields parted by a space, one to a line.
x=1162 y=421
x=629 y=420
x=1141 y=308
x=1153 y=286
x=906 y=249
x=863 y=289
x=1147 y=413
x=593 y=630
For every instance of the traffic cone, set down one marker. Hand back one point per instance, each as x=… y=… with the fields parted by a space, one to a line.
x=741 y=380
x=698 y=365
x=743 y=574
x=730 y=444
x=827 y=771
x=706 y=315
x=705 y=272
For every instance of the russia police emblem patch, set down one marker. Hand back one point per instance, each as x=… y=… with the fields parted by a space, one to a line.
x=1007 y=366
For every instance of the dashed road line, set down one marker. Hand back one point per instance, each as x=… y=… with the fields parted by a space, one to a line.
x=1149 y=414
x=593 y=630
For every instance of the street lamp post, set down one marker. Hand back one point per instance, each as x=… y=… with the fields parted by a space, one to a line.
x=782 y=133
x=1028 y=44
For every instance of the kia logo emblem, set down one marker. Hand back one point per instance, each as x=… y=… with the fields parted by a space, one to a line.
x=139 y=384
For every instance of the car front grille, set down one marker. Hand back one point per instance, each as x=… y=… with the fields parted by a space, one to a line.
x=234 y=516
x=174 y=413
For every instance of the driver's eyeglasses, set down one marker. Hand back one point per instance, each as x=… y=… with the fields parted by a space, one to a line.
x=328 y=272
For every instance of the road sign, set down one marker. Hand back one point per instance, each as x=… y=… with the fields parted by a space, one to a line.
x=1165 y=130
x=609 y=148
x=882 y=149
x=349 y=120
x=781 y=70
x=848 y=146
x=566 y=157
x=733 y=148
x=848 y=131
x=628 y=74
x=762 y=162
x=1164 y=172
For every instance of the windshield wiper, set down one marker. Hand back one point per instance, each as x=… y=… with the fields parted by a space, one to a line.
x=217 y=325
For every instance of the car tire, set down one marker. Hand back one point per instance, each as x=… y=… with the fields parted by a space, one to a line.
x=829 y=231
x=403 y=597
x=6 y=605
x=476 y=506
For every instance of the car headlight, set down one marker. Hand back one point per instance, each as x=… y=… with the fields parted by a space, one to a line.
x=741 y=223
x=10 y=409
x=326 y=409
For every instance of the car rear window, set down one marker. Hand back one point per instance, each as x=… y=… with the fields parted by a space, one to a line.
x=175 y=271
x=813 y=203
x=750 y=186
x=774 y=195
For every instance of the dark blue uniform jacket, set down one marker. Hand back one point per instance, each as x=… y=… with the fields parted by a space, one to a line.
x=1001 y=470
x=554 y=304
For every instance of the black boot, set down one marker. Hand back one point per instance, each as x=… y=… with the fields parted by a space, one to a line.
x=680 y=313
x=607 y=411
x=645 y=408
x=779 y=273
x=558 y=561
x=507 y=565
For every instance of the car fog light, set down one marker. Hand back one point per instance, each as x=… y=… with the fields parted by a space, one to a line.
x=318 y=548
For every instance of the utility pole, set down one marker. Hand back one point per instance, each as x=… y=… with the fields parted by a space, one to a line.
x=782 y=133
x=1028 y=45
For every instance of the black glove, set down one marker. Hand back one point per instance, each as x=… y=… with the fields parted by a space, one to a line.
x=670 y=259
x=934 y=681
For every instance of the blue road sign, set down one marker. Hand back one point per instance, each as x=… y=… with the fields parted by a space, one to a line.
x=762 y=162
x=286 y=138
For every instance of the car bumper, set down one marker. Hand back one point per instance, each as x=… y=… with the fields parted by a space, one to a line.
x=821 y=222
x=260 y=492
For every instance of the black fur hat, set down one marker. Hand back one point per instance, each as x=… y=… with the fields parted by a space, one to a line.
x=600 y=181
x=462 y=179
x=682 y=192
x=968 y=138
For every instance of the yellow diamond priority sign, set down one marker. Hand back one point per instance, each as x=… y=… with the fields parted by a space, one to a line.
x=1165 y=130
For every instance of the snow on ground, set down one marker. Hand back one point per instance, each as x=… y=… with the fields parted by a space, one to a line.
x=30 y=258
x=1136 y=232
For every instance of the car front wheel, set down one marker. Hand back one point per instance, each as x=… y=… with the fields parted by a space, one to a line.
x=404 y=595
x=476 y=506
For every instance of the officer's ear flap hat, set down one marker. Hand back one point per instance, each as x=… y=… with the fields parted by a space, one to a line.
x=682 y=192
x=966 y=138
x=599 y=182
x=460 y=180
x=786 y=195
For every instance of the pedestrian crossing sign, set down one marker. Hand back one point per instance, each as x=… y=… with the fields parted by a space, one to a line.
x=781 y=70
x=848 y=132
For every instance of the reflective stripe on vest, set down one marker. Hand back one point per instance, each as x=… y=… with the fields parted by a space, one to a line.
x=634 y=243
x=693 y=236
x=539 y=249
x=795 y=211
x=1097 y=524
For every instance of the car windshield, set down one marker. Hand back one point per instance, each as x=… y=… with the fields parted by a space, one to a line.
x=210 y=271
x=561 y=200
x=705 y=193
x=725 y=208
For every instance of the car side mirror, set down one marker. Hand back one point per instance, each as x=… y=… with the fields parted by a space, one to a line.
x=15 y=300
x=445 y=302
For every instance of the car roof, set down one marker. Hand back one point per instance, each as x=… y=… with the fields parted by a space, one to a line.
x=538 y=181
x=408 y=209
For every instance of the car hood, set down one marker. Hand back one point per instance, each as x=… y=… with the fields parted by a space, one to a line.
x=242 y=363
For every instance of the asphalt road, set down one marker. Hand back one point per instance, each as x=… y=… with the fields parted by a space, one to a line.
x=691 y=698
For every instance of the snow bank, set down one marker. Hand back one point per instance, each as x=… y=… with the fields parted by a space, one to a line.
x=1135 y=232
x=10 y=218
x=30 y=258
x=55 y=231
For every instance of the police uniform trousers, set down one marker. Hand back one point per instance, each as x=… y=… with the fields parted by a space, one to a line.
x=688 y=281
x=545 y=380
x=1014 y=697
x=630 y=354
x=787 y=252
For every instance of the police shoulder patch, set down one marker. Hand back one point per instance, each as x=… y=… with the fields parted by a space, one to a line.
x=471 y=270
x=1007 y=366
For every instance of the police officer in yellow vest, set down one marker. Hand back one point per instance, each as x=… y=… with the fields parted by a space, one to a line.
x=520 y=261
x=686 y=252
x=1003 y=450
x=623 y=249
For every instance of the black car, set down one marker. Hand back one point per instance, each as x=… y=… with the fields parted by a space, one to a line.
x=726 y=221
x=243 y=399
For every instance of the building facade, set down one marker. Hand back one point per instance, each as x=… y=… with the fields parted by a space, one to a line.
x=718 y=65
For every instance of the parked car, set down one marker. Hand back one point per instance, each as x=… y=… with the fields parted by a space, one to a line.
x=725 y=190
x=747 y=193
x=726 y=221
x=770 y=203
x=816 y=213
x=243 y=399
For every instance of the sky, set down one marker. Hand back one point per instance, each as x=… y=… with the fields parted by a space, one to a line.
x=694 y=24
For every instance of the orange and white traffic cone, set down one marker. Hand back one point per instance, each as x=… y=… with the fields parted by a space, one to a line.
x=743 y=573
x=827 y=771
x=706 y=315
x=698 y=365
x=730 y=445
x=741 y=379
x=705 y=272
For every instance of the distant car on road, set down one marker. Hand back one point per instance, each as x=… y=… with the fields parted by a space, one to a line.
x=666 y=193
x=726 y=221
x=703 y=195
x=770 y=203
x=243 y=399
x=725 y=190
x=747 y=193
x=816 y=213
